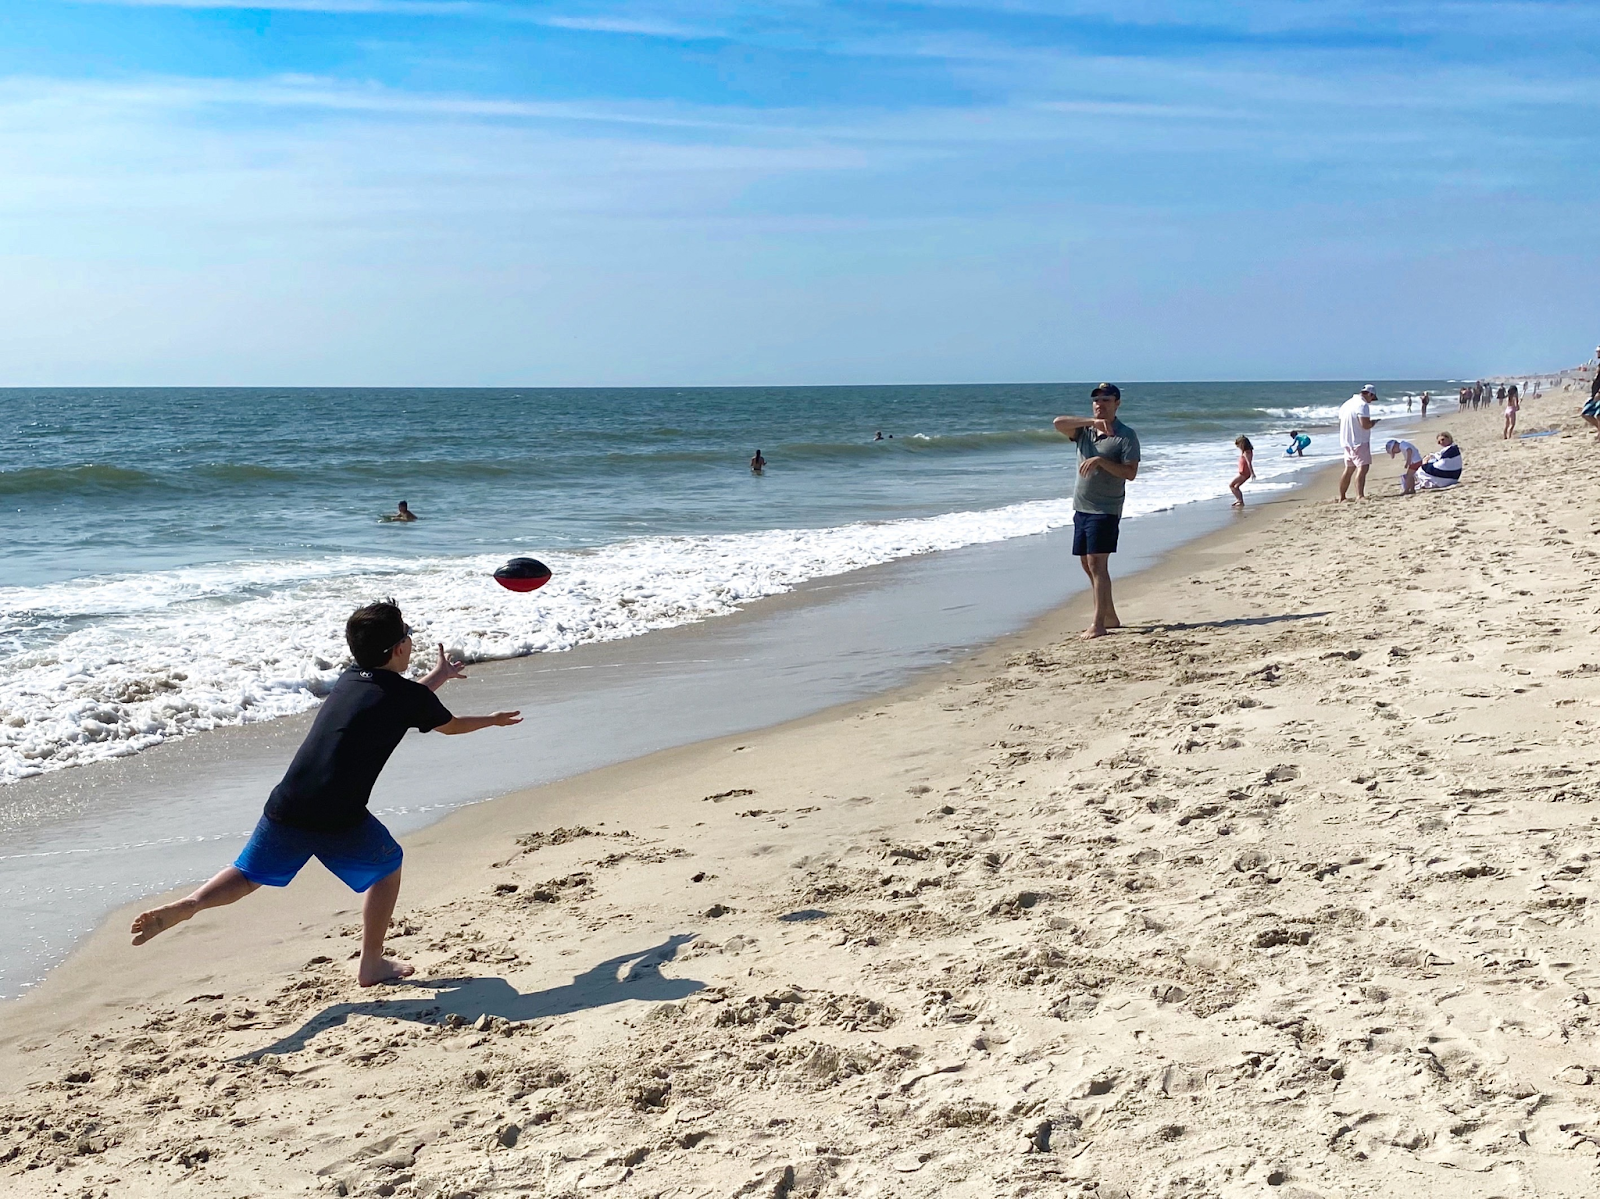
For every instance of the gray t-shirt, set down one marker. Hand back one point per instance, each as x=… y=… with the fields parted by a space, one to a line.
x=1102 y=491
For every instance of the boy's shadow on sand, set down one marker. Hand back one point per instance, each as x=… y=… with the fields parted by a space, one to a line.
x=470 y=998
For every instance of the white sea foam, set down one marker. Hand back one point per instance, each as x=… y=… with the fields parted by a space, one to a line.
x=103 y=667
x=1327 y=414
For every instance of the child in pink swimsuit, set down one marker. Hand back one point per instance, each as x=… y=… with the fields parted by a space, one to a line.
x=1247 y=470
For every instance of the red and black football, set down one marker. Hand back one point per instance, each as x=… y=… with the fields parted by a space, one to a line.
x=523 y=574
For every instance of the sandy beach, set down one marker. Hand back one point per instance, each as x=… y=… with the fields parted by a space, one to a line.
x=1280 y=890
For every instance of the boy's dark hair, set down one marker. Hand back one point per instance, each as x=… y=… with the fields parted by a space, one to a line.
x=372 y=633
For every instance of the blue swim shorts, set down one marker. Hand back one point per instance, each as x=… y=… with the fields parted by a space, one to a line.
x=1094 y=533
x=359 y=856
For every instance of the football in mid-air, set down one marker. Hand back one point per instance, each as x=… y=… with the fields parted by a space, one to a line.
x=523 y=574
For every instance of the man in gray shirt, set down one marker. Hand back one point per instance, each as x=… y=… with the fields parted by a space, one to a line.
x=1108 y=458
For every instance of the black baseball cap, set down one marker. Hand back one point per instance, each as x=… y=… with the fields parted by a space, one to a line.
x=1108 y=390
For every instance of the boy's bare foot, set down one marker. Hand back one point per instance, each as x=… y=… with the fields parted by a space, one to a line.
x=1093 y=631
x=151 y=924
x=384 y=971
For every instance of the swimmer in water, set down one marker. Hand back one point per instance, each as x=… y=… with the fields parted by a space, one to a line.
x=401 y=515
x=879 y=437
x=758 y=464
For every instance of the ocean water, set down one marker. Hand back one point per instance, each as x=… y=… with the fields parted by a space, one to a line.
x=177 y=560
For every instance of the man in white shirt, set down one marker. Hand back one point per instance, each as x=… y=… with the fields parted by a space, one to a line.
x=1355 y=439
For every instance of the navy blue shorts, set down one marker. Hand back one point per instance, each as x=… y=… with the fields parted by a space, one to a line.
x=1094 y=533
x=359 y=856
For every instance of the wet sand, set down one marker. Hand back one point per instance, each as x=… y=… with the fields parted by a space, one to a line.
x=1280 y=890
x=76 y=844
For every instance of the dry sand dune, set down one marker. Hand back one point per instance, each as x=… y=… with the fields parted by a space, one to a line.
x=1284 y=890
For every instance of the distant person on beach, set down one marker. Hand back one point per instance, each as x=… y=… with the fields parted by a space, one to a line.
x=1463 y=398
x=1500 y=394
x=1426 y=397
x=1444 y=468
x=758 y=464
x=1108 y=460
x=1513 y=406
x=1298 y=442
x=401 y=514
x=1247 y=469
x=1355 y=439
x=320 y=807
x=1410 y=462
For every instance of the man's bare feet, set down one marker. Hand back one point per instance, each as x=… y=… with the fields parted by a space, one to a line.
x=151 y=924
x=1093 y=631
x=384 y=971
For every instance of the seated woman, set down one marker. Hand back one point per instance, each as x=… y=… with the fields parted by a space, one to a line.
x=1444 y=468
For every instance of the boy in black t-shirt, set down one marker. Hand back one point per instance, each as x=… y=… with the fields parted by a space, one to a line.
x=320 y=807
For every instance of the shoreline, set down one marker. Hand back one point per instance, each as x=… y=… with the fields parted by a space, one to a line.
x=153 y=821
x=1052 y=622
x=1195 y=893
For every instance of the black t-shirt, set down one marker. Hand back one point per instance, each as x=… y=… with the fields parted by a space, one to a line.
x=357 y=728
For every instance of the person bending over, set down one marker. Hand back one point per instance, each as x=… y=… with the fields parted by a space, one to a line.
x=1444 y=468
x=320 y=808
x=1108 y=460
x=1410 y=462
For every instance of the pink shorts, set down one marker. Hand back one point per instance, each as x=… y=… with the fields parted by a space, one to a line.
x=1358 y=455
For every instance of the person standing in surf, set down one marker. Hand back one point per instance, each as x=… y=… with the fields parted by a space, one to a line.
x=320 y=807
x=1247 y=469
x=1108 y=460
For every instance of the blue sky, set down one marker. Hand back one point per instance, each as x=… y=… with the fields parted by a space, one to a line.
x=482 y=192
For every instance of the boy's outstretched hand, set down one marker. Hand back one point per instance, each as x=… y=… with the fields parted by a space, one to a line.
x=471 y=724
x=449 y=668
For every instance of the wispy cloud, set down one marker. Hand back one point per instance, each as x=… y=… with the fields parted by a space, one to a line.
x=416 y=8
x=549 y=182
x=615 y=23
